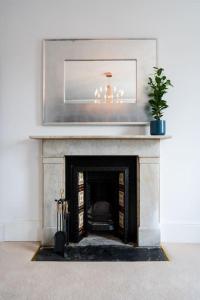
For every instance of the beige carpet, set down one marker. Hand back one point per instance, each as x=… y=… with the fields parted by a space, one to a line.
x=22 y=279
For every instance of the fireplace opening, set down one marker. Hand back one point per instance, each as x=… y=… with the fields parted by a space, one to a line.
x=102 y=193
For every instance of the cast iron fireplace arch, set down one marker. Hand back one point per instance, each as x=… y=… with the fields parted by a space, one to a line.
x=79 y=166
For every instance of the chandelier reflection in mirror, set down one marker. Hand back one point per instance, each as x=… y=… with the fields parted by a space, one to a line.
x=109 y=93
x=101 y=81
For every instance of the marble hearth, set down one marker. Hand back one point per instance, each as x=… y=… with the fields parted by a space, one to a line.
x=146 y=148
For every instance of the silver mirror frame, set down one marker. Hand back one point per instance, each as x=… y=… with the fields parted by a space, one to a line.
x=55 y=52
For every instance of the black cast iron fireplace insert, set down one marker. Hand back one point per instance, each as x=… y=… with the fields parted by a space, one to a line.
x=102 y=193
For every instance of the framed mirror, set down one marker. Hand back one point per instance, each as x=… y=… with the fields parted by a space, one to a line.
x=96 y=81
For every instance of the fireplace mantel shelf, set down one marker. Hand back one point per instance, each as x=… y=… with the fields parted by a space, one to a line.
x=100 y=137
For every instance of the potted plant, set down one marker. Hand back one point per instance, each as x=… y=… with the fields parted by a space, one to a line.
x=159 y=85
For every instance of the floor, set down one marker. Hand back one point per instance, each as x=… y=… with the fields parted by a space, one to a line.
x=23 y=279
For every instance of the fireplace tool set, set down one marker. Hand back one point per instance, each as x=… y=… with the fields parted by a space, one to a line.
x=61 y=238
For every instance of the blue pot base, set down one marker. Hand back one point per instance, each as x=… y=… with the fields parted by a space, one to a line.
x=158 y=127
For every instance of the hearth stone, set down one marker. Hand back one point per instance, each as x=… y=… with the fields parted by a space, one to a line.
x=103 y=253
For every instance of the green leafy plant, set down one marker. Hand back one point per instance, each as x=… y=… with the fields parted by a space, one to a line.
x=159 y=85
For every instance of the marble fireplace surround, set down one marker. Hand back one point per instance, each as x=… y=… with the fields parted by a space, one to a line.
x=147 y=148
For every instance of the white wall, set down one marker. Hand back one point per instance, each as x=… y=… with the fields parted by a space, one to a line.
x=23 y=25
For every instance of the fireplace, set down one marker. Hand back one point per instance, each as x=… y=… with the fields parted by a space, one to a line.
x=58 y=153
x=102 y=193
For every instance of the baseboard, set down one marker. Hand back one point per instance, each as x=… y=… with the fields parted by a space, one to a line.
x=180 y=232
x=22 y=231
x=2 y=232
x=32 y=231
